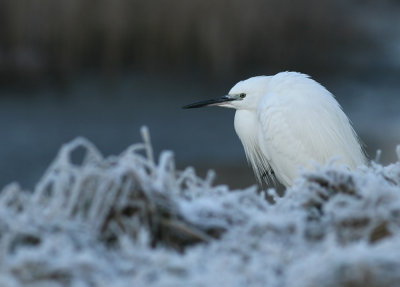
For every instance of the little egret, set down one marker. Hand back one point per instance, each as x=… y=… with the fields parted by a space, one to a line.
x=289 y=121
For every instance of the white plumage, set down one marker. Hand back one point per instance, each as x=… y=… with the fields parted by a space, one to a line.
x=287 y=122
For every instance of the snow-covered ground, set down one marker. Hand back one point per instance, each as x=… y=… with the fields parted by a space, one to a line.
x=129 y=220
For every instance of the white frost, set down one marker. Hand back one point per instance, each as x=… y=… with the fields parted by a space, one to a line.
x=128 y=221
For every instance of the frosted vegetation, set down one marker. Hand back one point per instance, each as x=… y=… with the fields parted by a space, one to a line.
x=130 y=221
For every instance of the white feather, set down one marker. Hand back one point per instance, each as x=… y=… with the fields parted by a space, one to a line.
x=295 y=123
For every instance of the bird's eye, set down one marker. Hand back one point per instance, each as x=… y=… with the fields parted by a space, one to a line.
x=242 y=95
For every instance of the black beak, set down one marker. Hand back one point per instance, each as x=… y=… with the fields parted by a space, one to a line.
x=212 y=102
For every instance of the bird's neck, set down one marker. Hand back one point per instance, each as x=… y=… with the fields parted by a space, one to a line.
x=246 y=127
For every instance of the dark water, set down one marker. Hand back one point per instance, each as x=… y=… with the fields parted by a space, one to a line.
x=34 y=125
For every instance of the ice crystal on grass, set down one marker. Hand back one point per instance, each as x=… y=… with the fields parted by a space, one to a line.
x=130 y=221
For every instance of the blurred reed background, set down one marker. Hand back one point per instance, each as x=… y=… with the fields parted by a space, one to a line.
x=101 y=69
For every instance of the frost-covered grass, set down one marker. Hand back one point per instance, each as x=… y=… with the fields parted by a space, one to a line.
x=129 y=221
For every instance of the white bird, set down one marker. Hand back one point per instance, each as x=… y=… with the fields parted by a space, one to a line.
x=289 y=122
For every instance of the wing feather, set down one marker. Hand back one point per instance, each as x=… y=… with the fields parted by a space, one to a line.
x=299 y=127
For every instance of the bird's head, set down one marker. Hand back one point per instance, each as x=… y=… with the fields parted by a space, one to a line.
x=244 y=95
